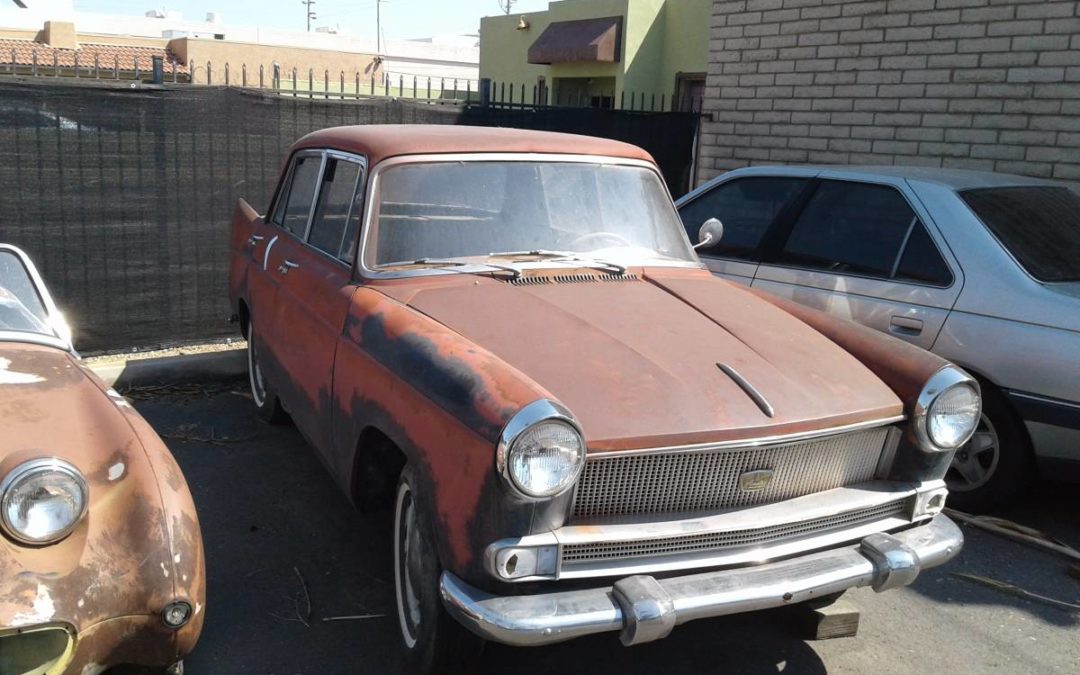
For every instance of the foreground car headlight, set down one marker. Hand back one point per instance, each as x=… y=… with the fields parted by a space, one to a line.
x=42 y=500
x=948 y=410
x=541 y=450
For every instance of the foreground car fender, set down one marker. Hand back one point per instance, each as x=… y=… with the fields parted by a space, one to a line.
x=137 y=548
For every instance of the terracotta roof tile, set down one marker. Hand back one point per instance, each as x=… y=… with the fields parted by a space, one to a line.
x=21 y=52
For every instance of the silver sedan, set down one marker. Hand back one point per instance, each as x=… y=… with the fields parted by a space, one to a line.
x=980 y=268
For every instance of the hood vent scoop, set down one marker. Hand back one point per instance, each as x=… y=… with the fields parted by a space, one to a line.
x=547 y=280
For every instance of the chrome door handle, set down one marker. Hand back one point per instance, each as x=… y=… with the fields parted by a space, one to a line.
x=255 y=239
x=286 y=266
x=903 y=325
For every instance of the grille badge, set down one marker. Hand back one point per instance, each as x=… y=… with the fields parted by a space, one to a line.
x=753 y=481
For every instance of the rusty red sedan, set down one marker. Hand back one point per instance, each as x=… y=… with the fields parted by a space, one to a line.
x=101 y=556
x=507 y=338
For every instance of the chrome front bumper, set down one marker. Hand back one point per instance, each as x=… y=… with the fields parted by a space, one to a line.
x=643 y=608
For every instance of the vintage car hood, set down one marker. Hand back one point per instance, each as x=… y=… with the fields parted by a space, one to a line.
x=638 y=361
x=118 y=560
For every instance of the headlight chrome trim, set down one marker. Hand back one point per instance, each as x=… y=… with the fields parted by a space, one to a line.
x=540 y=410
x=41 y=465
x=940 y=382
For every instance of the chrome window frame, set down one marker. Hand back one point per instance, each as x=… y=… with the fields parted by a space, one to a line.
x=306 y=152
x=368 y=273
x=42 y=290
x=359 y=160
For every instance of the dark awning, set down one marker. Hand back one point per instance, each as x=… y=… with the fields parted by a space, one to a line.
x=585 y=40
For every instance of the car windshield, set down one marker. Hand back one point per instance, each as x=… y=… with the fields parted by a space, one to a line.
x=21 y=307
x=427 y=212
x=1039 y=225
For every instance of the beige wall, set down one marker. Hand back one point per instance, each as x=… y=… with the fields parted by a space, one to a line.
x=237 y=54
x=660 y=38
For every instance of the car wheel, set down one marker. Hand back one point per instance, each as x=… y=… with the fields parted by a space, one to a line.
x=432 y=641
x=994 y=467
x=262 y=393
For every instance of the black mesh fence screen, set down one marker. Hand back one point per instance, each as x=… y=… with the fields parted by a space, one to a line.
x=123 y=196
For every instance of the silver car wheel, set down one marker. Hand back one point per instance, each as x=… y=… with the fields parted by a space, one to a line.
x=406 y=546
x=976 y=461
x=255 y=374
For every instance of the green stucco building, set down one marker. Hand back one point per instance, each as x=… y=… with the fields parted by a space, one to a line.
x=601 y=53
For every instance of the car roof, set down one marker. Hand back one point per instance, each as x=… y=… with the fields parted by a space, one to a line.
x=381 y=141
x=956 y=179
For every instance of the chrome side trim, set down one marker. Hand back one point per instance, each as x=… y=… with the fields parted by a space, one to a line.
x=545 y=618
x=749 y=442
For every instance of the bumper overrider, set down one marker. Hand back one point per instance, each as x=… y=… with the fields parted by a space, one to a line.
x=643 y=608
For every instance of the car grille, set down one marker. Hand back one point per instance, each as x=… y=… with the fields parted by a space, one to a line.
x=708 y=479
x=584 y=554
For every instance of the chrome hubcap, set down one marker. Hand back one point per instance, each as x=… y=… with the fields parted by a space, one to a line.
x=406 y=557
x=975 y=461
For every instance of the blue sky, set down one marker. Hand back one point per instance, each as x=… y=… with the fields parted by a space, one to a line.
x=400 y=18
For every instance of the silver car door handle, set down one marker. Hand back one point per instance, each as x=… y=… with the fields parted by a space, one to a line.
x=905 y=326
x=286 y=266
x=255 y=239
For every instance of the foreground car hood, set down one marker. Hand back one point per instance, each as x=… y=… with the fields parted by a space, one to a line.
x=638 y=361
x=118 y=560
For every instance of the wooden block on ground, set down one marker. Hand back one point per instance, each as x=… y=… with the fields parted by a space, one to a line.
x=827 y=618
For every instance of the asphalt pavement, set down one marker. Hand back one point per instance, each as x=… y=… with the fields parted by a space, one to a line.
x=299 y=582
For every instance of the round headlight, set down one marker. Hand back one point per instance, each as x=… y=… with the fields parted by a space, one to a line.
x=541 y=451
x=953 y=416
x=948 y=410
x=42 y=500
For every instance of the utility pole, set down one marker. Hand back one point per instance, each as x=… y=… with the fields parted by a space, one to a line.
x=507 y=5
x=378 y=27
x=310 y=12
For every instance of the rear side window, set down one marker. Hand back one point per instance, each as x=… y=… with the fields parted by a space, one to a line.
x=293 y=211
x=334 y=210
x=922 y=262
x=746 y=206
x=850 y=227
x=1039 y=225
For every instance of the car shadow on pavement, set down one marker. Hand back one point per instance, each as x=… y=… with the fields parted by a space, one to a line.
x=285 y=551
x=1049 y=507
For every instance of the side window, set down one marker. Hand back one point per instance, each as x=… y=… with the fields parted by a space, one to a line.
x=850 y=227
x=292 y=212
x=746 y=207
x=334 y=209
x=922 y=262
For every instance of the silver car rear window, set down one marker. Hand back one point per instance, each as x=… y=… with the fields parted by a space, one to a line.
x=1038 y=224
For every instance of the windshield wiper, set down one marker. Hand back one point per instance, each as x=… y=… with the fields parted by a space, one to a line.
x=564 y=256
x=437 y=262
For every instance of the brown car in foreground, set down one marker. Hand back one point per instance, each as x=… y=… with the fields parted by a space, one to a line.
x=101 y=557
x=507 y=337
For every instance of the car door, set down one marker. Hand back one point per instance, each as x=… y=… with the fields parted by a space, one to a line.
x=748 y=206
x=316 y=286
x=865 y=251
x=289 y=214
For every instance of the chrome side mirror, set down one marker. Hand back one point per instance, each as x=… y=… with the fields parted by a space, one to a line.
x=710 y=233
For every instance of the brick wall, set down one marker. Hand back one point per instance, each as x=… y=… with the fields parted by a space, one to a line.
x=980 y=84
